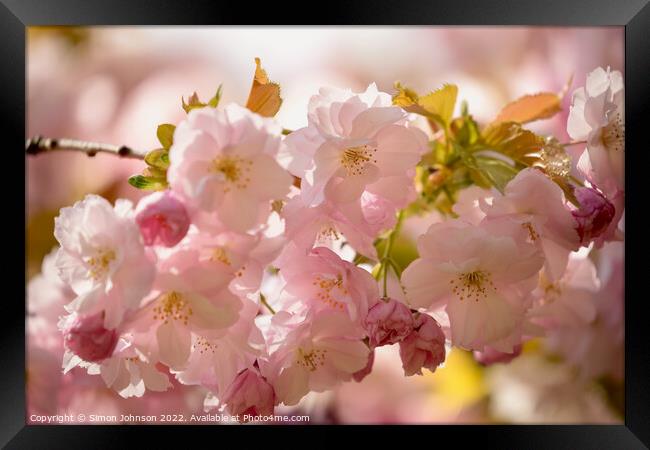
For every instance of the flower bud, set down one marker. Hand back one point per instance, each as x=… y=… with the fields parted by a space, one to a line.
x=424 y=347
x=87 y=338
x=491 y=356
x=162 y=218
x=388 y=322
x=249 y=394
x=594 y=215
x=363 y=373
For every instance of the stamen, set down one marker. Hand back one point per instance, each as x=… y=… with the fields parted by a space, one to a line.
x=354 y=159
x=324 y=290
x=172 y=306
x=235 y=169
x=532 y=233
x=470 y=285
x=311 y=360
x=613 y=135
x=100 y=263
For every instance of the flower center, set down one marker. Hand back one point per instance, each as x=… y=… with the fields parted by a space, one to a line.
x=220 y=254
x=470 y=285
x=204 y=346
x=172 y=306
x=311 y=360
x=100 y=263
x=354 y=159
x=327 y=233
x=325 y=286
x=532 y=233
x=613 y=135
x=236 y=170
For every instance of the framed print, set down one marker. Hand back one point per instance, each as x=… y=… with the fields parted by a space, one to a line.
x=395 y=216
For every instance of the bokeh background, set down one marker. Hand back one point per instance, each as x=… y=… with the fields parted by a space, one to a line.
x=116 y=84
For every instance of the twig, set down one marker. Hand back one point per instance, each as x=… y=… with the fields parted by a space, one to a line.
x=39 y=144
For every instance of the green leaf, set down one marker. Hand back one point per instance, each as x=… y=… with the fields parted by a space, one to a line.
x=214 y=101
x=465 y=130
x=158 y=159
x=498 y=172
x=165 y=133
x=148 y=183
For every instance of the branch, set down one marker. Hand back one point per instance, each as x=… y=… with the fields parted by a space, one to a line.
x=39 y=144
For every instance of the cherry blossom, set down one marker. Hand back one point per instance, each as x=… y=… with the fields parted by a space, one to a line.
x=537 y=204
x=597 y=116
x=388 y=322
x=102 y=258
x=352 y=143
x=249 y=394
x=482 y=278
x=424 y=347
x=313 y=354
x=321 y=280
x=223 y=161
x=162 y=218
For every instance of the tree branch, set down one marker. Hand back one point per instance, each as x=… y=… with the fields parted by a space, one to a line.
x=39 y=144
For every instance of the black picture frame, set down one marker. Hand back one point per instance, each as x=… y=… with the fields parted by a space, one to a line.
x=634 y=15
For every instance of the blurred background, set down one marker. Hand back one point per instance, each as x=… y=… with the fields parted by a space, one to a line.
x=116 y=84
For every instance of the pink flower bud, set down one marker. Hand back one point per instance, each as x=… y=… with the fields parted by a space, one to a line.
x=424 y=347
x=491 y=356
x=162 y=218
x=361 y=374
x=594 y=215
x=388 y=322
x=249 y=394
x=87 y=338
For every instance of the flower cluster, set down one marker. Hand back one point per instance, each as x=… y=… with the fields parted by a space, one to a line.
x=259 y=271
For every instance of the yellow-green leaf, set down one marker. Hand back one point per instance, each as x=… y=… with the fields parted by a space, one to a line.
x=158 y=158
x=147 y=183
x=530 y=107
x=214 y=101
x=498 y=172
x=165 y=133
x=404 y=97
x=441 y=101
x=192 y=103
x=264 y=98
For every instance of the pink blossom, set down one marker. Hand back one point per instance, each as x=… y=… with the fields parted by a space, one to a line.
x=321 y=280
x=87 y=338
x=536 y=204
x=223 y=161
x=352 y=143
x=491 y=356
x=597 y=116
x=388 y=322
x=162 y=218
x=312 y=354
x=568 y=301
x=423 y=347
x=482 y=274
x=327 y=224
x=594 y=215
x=250 y=394
x=190 y=300
x=363 y=373
x=214 y=362
x=102 y=258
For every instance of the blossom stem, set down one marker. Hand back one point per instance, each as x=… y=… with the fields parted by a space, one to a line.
x=386 y=260
x=39 y=144
x=265 y=303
